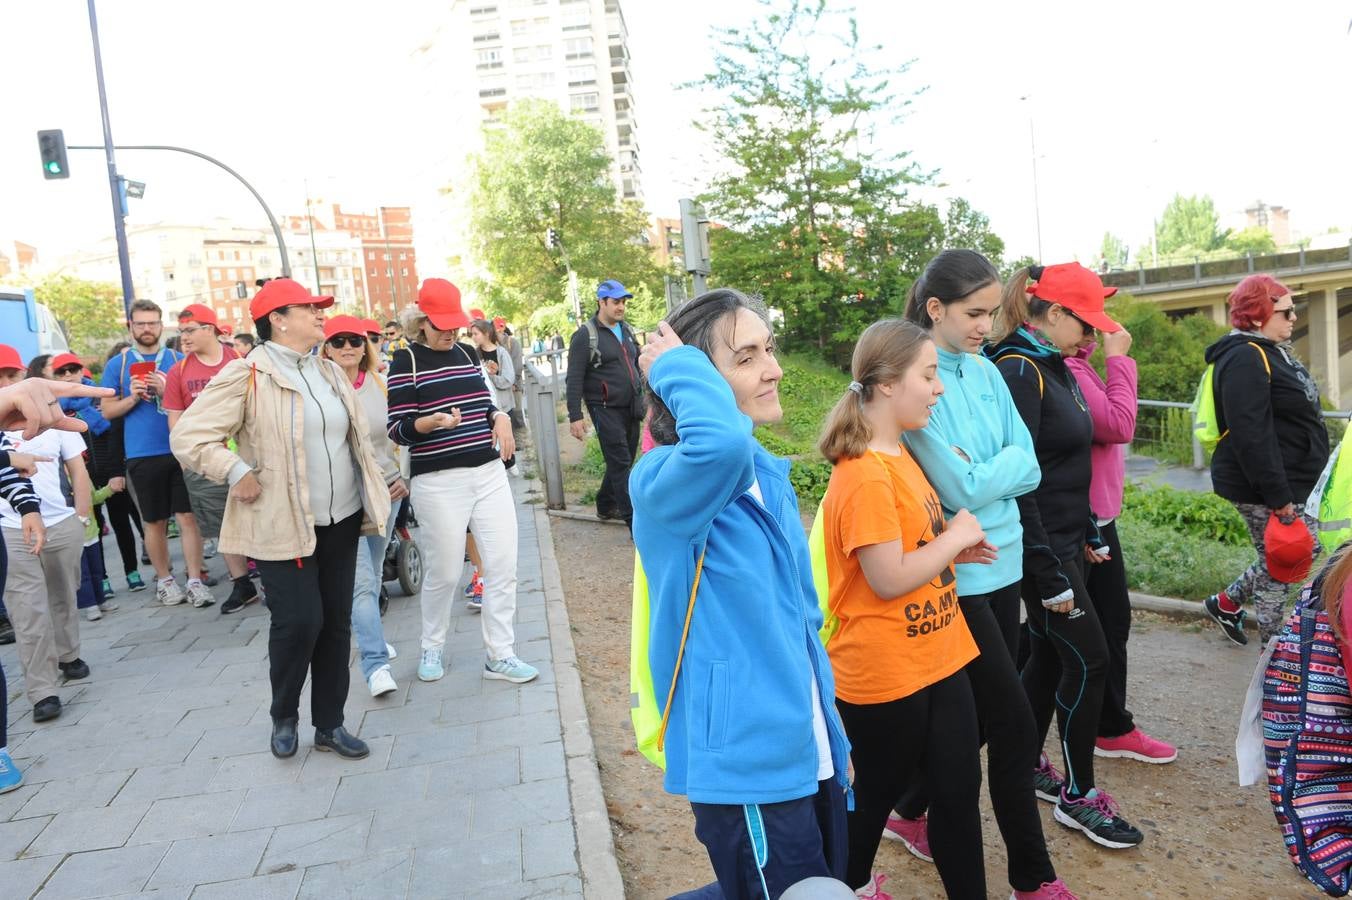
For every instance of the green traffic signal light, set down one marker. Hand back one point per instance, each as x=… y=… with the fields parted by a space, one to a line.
x=54 y=167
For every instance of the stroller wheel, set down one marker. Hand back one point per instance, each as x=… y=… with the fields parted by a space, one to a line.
x=410 y=567
x=384 y=600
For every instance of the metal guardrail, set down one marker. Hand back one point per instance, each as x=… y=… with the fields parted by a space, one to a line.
x=1198 y=272
x=541 y=394
x=1198 y=456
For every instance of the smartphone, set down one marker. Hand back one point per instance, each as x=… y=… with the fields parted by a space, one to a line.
x=142 y=369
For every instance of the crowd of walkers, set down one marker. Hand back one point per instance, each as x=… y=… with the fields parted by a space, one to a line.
x=289 y=451
x=978 y=471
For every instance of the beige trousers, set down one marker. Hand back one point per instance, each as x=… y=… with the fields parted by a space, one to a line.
x=40 y=599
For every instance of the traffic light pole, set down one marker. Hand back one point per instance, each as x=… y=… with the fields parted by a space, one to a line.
x=114 y=183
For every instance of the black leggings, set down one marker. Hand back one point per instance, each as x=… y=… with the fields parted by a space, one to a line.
x=1008 y=725
x=1107 y=586
x=1067 y=660
x=931 y=734
x=126 y=524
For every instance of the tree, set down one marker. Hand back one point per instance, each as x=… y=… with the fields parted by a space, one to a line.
x=1113 y=249
x=542 y=169
x=970 y=228
x=1254 y=239
x=1189 y=224
x=817 y=223
x=90 y=311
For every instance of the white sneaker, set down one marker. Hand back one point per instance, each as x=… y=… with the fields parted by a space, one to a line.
x=93 y=614
x=108 y=606
x=381 y=682
x=169 y=593
x=200 y=594
x=510 y=669
x=390 y=652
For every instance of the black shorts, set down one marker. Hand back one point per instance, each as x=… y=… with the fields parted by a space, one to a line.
x=158 y=483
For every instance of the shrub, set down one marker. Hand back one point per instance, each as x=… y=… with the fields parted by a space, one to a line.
x=1186 y=513
x=1162 y=561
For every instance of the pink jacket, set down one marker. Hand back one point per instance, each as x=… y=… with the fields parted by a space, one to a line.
x=1113 y=407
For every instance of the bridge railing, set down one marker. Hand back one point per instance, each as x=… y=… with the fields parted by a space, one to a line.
x=1197 y=271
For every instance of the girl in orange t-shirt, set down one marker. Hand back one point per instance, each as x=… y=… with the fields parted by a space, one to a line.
x=899 y=652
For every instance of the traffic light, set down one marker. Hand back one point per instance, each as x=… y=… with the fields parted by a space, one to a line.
x=52 y=144
x=552 y=238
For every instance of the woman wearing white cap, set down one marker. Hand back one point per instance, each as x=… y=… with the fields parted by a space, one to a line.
x=440 y=407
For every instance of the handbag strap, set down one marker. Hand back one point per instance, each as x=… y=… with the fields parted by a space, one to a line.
x=680 y=651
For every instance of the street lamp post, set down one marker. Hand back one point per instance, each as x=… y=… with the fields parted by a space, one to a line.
x=1037 y=204
x=114 y=184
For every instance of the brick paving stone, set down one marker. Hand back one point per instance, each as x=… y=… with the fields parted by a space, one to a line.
x=221 y=857
x=261 y=887
x=17 y=835
x=378 y=875
x=443 y=822
x=21 y=877
x=152 y=783
x=520 y=806
x=177 y=818
x=373 y=790
x=333 y=839
x=486 y=865
x=76 y=792
x=285 y=804
x=103 y=873
x=423 y=748
x=89 y=829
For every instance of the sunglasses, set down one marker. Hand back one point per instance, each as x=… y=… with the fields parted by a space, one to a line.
x=1288 y=311
x=68 y=370
x=340 y=341
x=1085 y=326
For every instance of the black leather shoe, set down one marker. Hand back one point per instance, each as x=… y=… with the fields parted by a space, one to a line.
x=74 y=670
x=46 y=709
x=284 y=738
x=341 y=742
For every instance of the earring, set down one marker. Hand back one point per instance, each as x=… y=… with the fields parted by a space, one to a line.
x=283 y=327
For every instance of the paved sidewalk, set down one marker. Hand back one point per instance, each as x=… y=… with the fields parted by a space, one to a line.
x=157 y=781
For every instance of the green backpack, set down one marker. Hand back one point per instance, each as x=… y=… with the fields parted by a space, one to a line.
x=1204 y=425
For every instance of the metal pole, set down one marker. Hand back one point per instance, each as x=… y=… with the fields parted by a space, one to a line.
x=272 y=220
x=1037 y=205
x=314 y=252
x=540 y=409
x=114 y=183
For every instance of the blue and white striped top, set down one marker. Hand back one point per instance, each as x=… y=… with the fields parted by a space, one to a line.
x=422 y=381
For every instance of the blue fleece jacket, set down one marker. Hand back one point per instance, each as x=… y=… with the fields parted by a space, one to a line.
x=740 y=730
x=976 y=415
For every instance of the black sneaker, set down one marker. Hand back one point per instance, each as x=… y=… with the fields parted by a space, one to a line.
x=145 y=558
x=46 y=709
x=6 y=631
x=74 y=670
x=241 y=595
x=1096 y=815
x=1231 y=623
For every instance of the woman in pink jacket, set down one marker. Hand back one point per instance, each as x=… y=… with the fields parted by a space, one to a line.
x=1113 y=407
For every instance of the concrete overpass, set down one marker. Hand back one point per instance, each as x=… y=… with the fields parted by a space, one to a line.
x=1320 y=279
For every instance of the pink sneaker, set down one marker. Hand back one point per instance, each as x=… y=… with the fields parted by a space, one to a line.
x=874 y=889
x=1138 y=745
x=1052 y=890
x=913 y=834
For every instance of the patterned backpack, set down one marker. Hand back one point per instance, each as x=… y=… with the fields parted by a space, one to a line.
x=1307 y=740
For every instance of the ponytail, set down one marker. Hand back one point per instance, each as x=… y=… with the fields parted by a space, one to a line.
x=885 y=351
x=1016 y=305
x=916 y=304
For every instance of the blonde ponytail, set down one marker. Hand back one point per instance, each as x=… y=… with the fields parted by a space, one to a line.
x=1013 y=310
x=885 y=351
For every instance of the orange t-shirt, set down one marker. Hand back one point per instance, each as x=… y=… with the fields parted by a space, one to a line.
x=888 y=648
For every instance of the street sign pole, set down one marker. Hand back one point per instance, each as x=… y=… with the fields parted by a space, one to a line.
x=114 y=182
x=695 y=244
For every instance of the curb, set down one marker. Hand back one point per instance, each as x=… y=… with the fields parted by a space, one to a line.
x=1178 y=609
x=591 y=822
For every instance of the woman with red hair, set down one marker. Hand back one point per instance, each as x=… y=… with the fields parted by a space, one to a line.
x=1273 y=443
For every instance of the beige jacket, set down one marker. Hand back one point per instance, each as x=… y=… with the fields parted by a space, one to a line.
x=250 y=401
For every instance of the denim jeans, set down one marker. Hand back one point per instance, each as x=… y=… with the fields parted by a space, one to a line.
x=366 y=600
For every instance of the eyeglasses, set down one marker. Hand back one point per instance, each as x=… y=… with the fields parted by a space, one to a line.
x=155 y=324
x=340 y=341
x=187 y=332
x=68 y=370
x=1288 y=311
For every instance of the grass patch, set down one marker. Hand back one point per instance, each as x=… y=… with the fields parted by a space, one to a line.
x=1165 y=561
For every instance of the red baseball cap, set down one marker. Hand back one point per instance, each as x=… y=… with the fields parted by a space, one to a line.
x=202 y=315
x=439 y=300
x=372 y=326
x=279 y=292
x=499 y=322
x=61 y=360
x=1078 y=290
x=10 y=358
x=1289 y=549
x=344 y=325
x=477 y=314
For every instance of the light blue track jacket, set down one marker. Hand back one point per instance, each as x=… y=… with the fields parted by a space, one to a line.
x=976 y=415
x=740 y=730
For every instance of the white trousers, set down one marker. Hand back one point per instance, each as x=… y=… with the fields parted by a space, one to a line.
x=447 y=502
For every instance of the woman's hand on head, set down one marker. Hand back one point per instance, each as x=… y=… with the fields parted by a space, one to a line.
x=659 y=342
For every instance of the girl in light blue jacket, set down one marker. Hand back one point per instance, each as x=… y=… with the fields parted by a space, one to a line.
x=977 y=453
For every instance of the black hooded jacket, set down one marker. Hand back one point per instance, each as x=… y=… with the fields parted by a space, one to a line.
x=1057 y=522
x=1273 y=443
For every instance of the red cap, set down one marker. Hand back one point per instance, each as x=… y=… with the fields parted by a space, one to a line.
x=279 y=292
x=439 y=300
x=499 y=322
x=372 y=326
x=344 y=325
x=202 y=315
x=61 y=360
x=10 y=358
x=477 y=314
x=1078 y=290
x=1289 y=549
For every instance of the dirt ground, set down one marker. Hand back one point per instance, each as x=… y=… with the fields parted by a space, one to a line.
x=1205 y=836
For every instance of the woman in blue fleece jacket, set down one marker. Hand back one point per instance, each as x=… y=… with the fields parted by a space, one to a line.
x=978 y=454
x=753 y=738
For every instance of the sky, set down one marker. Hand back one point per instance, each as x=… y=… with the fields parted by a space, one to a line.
x=1128 y=104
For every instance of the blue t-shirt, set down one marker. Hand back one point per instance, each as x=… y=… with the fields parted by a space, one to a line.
x=618 y=331
x=146 y=431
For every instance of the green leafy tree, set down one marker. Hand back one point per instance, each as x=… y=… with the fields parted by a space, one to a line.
x=1113 y=249
x=1254 y=239
x=1189 y=224
x=543 y=169
x=1169 y=353
x=550 y=320
x=90 y=311
x=818 y=224
x=970 y=228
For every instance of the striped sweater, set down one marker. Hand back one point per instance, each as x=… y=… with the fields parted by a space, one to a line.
x=422 y=381
x=16 y=490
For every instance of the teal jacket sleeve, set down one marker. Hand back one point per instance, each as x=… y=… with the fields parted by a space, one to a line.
x=683 y=487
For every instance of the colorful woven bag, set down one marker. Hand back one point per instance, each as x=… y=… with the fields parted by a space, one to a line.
x=1307 y=740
